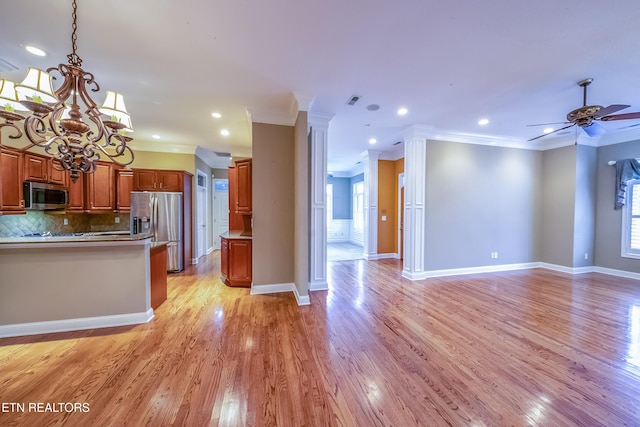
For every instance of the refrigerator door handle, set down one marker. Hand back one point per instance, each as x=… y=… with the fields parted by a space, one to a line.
x=155 y=219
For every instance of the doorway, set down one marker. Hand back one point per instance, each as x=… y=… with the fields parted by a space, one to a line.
x=220 y=209
x=401 y=215
x=201 y=215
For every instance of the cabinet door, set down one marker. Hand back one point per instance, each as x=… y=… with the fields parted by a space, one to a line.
x=11 y=178
x=235 y=219
x=240 y=260
x=35 y=167
x=243 y=177
x=144 y=180
x=124 y=186
x=100 y=188
x=57 y=174
x=76 y=194
x=224 y=257
x=169 y=180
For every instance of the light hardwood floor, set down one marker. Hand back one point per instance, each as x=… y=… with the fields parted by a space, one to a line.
x=520 y=348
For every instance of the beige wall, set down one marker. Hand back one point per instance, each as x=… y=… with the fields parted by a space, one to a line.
x=302 y=214
x=154 y=160
x=273 y=204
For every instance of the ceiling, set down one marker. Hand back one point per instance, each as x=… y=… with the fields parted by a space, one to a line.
x=449 y=63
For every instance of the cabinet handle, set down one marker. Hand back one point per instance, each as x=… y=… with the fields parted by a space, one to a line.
x=45 y=177
x=154 y=185
x=160 y=185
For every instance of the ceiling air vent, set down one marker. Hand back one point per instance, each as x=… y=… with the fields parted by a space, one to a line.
x=353 y=100
x=396 y=143
x=221 y=154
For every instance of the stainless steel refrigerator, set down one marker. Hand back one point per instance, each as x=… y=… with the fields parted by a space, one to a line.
x=159 y=215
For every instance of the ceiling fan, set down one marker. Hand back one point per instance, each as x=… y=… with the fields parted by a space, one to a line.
x=587 y=116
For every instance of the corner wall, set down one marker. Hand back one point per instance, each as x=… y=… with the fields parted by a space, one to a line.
x=273 y=204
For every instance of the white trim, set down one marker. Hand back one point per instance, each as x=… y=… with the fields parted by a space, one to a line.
x=565 y=269
x=301 y=299
x=619 y=273
x=383 y=256
x=319 y=286
x=210 y=249
x=194 y=261
x=277 y=288
x=49 y=327
x=272 y=288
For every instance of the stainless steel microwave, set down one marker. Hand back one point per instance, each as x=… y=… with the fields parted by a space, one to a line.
x=41 y=196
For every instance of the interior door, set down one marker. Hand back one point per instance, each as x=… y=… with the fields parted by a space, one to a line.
x=220 y=210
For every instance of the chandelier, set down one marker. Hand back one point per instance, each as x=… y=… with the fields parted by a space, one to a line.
x=54 y=120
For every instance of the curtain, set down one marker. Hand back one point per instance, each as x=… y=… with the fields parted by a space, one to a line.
x=626 y=170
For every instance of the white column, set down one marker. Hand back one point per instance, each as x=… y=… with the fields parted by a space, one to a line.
x=415 y=175
x=370 y=161
x=319 y=126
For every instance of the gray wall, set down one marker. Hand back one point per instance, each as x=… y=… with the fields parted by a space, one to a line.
x=341 y=197
x=481 y=199
x=558 y=205
x=608 y=220
x=585 y=206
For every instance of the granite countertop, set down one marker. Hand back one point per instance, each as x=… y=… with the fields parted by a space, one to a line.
x=235 y=234
x=74 y=240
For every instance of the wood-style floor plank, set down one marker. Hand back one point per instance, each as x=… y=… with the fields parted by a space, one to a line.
x=522 y=348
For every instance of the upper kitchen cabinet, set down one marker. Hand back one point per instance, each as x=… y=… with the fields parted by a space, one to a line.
x=124 y=187
x=243 y=193
x=158 y=180
x=100 y=191
x=11 y=170
x=44 y=169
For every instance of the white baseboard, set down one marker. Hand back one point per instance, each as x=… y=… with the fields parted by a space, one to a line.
x=476 y=270
x=319 y=286
x=371 y=257
x=211 y=249
x=35 y=328
x=278 y=288
x=619 y=273
x=194 y=261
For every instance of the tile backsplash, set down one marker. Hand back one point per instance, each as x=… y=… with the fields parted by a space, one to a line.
x=41 y=221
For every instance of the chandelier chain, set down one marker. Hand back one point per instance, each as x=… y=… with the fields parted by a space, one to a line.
x=73 y=57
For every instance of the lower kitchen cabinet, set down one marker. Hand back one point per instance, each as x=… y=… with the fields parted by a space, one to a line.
x=158 y=261
x=236 y=260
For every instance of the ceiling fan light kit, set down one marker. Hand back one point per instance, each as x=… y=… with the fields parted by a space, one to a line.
x=587 y=116
x=77 y=139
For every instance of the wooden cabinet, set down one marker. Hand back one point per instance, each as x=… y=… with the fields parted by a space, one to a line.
x=11 y=174
x=41 y=168
x=76 y=195
x=236 y=262
x=224 y=258
x=158 y=273
x=99 y=191
x=157 y=180
x=243 y=193
x=235 y=219
x=124 y=186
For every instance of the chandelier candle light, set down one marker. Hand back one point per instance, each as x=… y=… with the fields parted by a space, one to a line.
x=59 y=128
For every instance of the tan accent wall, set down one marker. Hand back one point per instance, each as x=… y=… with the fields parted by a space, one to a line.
x=154 y=160
x=387 y=207
x=301 y=210
x=273 y=204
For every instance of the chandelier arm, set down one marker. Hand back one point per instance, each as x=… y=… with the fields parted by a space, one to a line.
x=18 y=131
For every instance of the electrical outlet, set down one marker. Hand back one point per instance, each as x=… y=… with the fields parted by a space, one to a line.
x=65 y=221
x=494 y=255
x=586 y=255
x=117 y=220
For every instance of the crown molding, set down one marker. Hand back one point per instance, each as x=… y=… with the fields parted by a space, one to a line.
x=162 y=147
x=212 y=159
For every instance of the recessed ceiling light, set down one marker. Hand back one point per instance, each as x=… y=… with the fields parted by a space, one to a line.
x=547 y=130
x=216 y=115
x=373 y=107
x=155 y=136
x=35 y=51
x=372 y=141
x=402 y=111
x=224 y=132
x=483 y=122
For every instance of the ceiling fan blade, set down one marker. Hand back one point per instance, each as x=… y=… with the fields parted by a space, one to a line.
x=548 y=124
x=625 y=116
x=545 y=134
x=594 y=129
x=610 y=110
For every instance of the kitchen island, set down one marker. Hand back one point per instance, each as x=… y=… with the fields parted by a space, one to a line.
x=54 y=284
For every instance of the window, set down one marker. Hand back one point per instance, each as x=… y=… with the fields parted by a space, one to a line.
x=329 y=206
x=358 y=207
x=631 y=221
